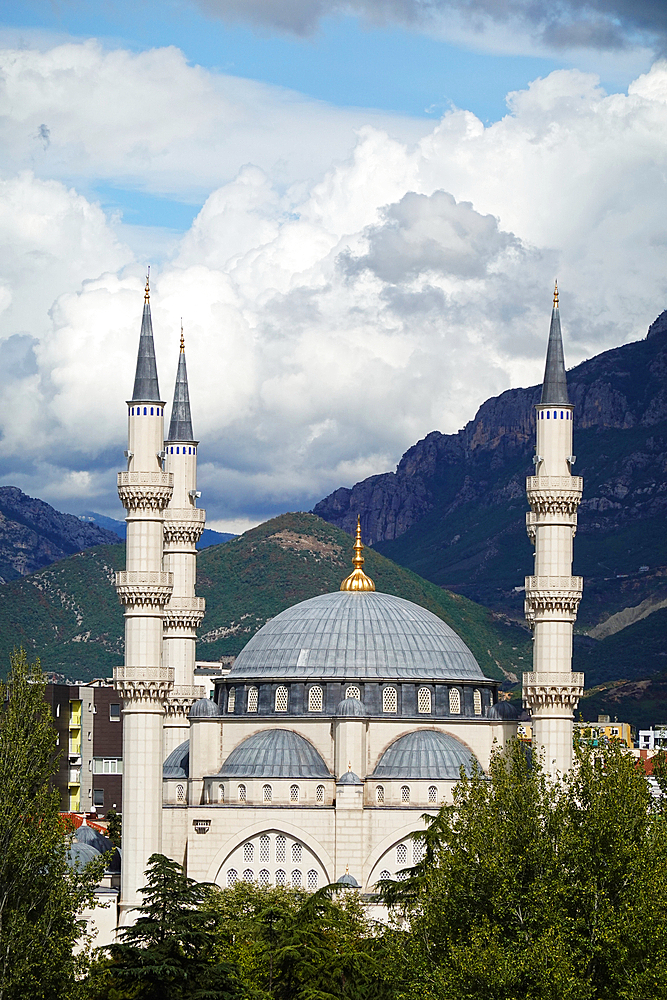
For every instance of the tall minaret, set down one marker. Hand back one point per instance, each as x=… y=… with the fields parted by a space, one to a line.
x=143 y=588
x=183 y=525
x=551 y=692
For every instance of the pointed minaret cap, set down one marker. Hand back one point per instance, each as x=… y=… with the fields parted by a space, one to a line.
x=180 y=425
x=146 y=385
x=357 y=580
x=554 y=386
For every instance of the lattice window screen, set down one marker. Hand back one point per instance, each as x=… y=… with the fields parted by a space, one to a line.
x=455 y=701
x=315 y=699
x=281 y=699
x=389 y=699
x=477 y=702
x=424 y=701
x=353 y=692
x=253 y=699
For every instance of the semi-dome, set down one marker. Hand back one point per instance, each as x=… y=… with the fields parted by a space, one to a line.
x=425 y=753
x=177 y=764
x=204 y=708
x=503 y=711
x=88 y=835
x=351 y=707
x=360 y=635
x=274 y=753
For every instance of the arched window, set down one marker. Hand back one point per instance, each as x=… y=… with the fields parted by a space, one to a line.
x=379 y=795
x=252 y=699
x=248 y=875
x=319 y=794
x=424 y=701
x=405 y=793
x=280 y=848
x=221 y=793
x=418 y=851
x=402 y=854
x=389 y=699
x=281 y=699
x=231 y=700
x=264 y=848
x=294 y=793
x=296 y=879
x=242 y=793
x=315 y=699
x=264 y=878
x=267 y=793
x=454 y=701
x=312 y=880
x=280 y=877
x=248 y=852
x=385 y=874
x=296 y=853
x=353 y=692
x=232 y=877
x=180 y=793
x=432 y=793
x=477 y=702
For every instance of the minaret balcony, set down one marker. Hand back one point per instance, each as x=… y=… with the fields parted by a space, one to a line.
x=145 y=490
x=183 y=614
x=144 y=589
x=552 y=598
x=535 y=520
x=554 y=494
x=546 y=691
x=183 y=524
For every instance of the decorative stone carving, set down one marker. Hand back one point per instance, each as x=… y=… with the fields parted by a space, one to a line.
x=145 y=490
x=550 y=597
x=183 y=613
x=552 y=691
x=181 y=699
x=136 y=589
x=183 y=531
x=143 y=684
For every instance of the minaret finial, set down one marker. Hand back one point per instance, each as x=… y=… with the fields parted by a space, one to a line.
x=556 y=294
x=357 y=580
x=182 y=338
x=147 y=290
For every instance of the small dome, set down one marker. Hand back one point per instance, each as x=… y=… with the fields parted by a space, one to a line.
x=351 y=706
x=503 y=710
x=274 y=753
x=88 y=835
x=114 y=864
x=349 y=778
x=348 y=879
x=205 y=708
x=177 y=764
x=425 y=753
x=80 y=855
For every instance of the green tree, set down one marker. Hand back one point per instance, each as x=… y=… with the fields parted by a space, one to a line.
x=114 y=827
x=169 y=953
x=41 y=896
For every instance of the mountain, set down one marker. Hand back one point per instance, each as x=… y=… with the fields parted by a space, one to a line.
x=209 y=537
x=454 y=510
x=69 y=616
x=33 y=534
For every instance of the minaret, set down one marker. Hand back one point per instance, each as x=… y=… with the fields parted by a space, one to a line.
x=551 y=692
x=143 y=588
x=183 y=526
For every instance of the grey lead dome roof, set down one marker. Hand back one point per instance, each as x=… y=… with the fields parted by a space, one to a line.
x=359 y=635
x=425 y=753
x=274 y=753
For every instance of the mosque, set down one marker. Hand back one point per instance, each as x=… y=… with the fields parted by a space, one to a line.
x=347 y=716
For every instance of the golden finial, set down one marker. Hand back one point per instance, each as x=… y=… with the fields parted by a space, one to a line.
x=357 y=580
x=347 y=869
x=556 y=295
x=147 y=291
x=182 y=338
x=349 y=765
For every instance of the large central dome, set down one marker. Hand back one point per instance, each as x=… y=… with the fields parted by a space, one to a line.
x=360 y=635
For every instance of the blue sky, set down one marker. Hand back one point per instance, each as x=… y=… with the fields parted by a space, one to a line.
x=357 y=208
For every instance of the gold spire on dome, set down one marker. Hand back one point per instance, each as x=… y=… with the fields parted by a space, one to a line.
x=147 y=290
x=357 y=580
x=182 y=338
x=556 y=295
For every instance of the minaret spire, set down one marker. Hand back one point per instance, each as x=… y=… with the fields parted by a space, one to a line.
x=357 y=580
x=146 y=387
x=554 y=386
x=180 y=425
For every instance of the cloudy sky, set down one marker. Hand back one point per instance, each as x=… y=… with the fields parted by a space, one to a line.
x=358 y=208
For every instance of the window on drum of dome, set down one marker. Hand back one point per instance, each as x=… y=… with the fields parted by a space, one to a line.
x=402 y=854
x=454 y=701
x=264 y=848
x=432 y=793
x=221 y=793
x=280 y=848
x=280 y=877
x=267 y=793
x=264 y=878
x=180 y=793
x=319 y=794
x=248 y=875
x=281 y=699
x=248 y=852
x=231 y=700
x=253 y=698
x=379 y=795
x=312 y=880
x=405 y=793
x=296 y=879
x=294 y=793
x=242 y=793
x=296 y=853
x=477 y=702
x=315 y=699
x=353 y=692
x=389 y=699
x=424 y=701
x=232 y=877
